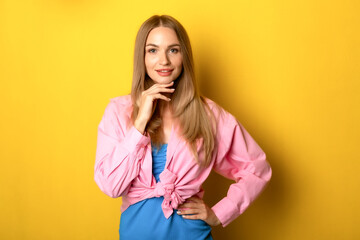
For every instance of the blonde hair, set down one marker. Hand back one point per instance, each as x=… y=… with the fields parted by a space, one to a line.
x=189 y=108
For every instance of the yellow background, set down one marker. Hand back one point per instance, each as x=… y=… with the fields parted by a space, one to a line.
x=288 y=70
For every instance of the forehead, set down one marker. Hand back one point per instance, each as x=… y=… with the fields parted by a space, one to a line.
x=162 y=36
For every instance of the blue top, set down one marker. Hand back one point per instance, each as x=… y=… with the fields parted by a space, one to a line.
x=146 y=220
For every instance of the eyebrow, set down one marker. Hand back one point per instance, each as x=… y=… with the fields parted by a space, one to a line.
x=154 y=45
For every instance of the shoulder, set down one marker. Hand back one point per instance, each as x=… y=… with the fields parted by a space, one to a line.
x=120 y=107
x=221 y=115
x=122 y=101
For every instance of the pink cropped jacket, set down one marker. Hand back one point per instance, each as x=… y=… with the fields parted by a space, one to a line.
x=123 y=165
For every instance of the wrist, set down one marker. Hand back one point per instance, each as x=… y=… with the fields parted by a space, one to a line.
x=140 y=125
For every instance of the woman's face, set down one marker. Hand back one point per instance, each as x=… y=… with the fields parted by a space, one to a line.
x=163 y=56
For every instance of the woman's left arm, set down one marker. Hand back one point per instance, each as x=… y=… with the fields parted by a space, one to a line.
x=241 y=159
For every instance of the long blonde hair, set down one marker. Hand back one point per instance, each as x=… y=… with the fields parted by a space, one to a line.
x=193 y=114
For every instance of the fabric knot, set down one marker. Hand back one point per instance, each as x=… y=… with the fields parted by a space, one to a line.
x=169 y=189
x=166 y=188
x=159 y=190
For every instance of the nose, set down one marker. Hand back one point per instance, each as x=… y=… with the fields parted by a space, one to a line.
x=164 y=59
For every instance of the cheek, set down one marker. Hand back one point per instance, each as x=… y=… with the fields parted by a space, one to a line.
x=179 y=62
x=149 y=61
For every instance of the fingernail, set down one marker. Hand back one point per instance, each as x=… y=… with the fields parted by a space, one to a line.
x=178 y=212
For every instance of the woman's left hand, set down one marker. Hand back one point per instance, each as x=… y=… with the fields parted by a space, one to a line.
x=195 y=208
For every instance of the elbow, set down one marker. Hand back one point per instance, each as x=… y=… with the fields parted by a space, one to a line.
x=268 y=175
x=265 y=171
x=264 y=168
x=107 y=186
x=261 y=168
x=112 y=194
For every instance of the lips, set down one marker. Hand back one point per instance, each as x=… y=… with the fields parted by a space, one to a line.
x=164 y=72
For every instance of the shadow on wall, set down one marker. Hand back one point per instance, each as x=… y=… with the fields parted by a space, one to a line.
x=259 y=220
x=269 y=209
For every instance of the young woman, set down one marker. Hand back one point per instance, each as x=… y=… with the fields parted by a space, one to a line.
x=157 y=146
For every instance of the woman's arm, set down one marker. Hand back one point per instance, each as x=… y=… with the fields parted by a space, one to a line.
x=196 y=208
x=119 y=152
x=239 y=158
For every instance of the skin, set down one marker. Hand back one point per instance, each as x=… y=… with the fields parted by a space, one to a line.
x=162 y=51
x=196 y=208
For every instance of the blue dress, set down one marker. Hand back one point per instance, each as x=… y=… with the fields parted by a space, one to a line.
x=145 y=220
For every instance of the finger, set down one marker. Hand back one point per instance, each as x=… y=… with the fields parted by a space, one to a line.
x=189 y=205
x=164 y=85
x=160 y=96
x=188 y=211
x=195 y=216
x=159 y=89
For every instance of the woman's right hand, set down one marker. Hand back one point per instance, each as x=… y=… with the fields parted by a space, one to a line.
x=147 y=101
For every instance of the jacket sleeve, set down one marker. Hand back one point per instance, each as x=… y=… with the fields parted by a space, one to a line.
x=241 y=159
x=119 y=152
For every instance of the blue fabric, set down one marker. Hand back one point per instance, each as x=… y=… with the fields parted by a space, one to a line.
x=159 y=160
x=146 y=220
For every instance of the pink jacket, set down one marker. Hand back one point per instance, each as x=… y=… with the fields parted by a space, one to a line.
x=123 y=164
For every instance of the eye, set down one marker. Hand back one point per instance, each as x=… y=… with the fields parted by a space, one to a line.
x=152 y=50
x=174 y=50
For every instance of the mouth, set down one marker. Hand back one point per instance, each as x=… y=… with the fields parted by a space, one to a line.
x=164 y=72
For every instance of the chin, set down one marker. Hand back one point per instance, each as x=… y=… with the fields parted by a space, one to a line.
x=163 y=80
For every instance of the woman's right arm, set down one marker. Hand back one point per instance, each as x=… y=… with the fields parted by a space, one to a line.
x=119 y=152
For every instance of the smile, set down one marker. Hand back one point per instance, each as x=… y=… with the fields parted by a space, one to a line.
x=164 y=72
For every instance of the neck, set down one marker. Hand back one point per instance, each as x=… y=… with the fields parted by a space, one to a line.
x=166 y=110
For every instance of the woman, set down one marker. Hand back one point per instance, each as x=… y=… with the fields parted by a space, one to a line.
x=158 y=145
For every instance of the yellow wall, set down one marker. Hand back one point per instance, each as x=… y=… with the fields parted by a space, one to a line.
x=288 y=70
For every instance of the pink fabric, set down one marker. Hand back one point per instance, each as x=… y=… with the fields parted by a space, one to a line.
x=123 y=166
